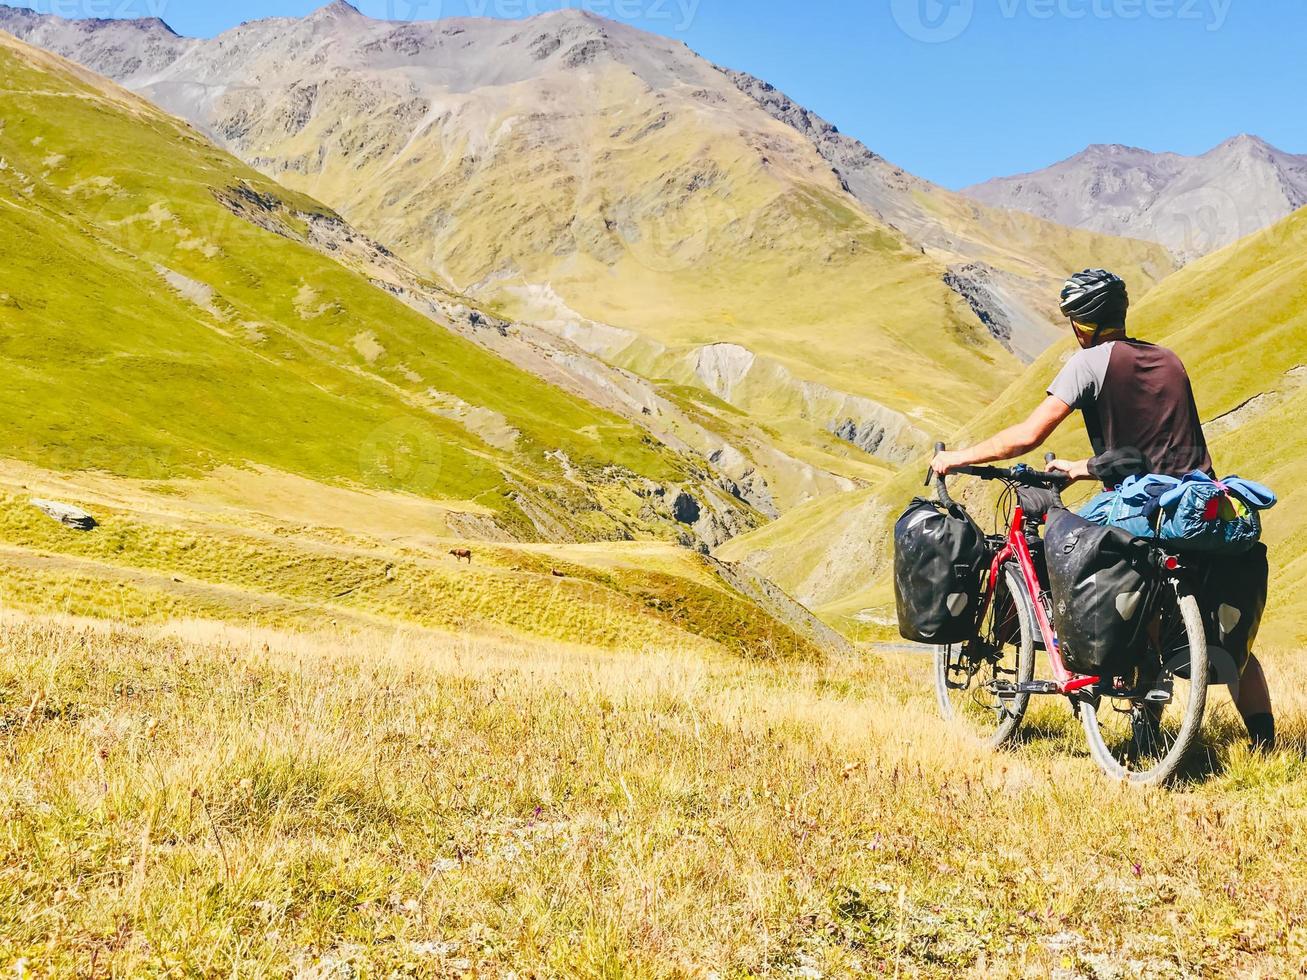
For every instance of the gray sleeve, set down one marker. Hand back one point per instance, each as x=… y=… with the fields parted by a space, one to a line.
x=1081 y=378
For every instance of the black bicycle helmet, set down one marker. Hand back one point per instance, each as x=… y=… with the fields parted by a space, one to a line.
x=1096 y=297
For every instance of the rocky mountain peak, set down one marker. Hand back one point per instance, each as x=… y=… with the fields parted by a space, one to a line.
x=1247 y=141
x=574 y=15
x=1110 y=150
x=1247 y=146
x=1191 y=204
x=338 y=10
x=12 y=18
x=155 y=25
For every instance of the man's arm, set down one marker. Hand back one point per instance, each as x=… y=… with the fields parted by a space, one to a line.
x=1017 y=440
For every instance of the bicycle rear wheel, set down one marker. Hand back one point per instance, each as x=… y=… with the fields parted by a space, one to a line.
x=1143 y=738
x=1003 y=653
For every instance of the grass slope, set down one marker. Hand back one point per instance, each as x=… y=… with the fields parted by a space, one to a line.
x=206 y=801
x=813 y=551
x=154 y=558
x=1040 y=251
x=145 y=330
x=688 y=220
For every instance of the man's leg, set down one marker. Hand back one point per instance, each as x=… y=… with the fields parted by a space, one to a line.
x=1254 y=705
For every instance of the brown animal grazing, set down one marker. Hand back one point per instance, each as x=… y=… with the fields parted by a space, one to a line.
x=461 y=554
x=556 y=573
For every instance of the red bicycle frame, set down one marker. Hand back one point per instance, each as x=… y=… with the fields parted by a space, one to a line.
x=1016 y=547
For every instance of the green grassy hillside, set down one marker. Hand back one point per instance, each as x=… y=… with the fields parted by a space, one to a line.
x=815 y=552
x=607 y=200
x=146 y=330
x=1238 y=318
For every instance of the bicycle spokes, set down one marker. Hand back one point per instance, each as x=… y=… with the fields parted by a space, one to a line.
x=1140 y=727
x=973 y=679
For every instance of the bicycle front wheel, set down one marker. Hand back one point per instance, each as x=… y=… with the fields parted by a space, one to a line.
x=970 y=679
x=1142 y=737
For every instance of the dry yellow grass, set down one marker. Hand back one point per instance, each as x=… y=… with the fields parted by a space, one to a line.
x=200 y=800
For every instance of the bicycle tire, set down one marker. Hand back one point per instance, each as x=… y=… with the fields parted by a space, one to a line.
x=1007 y=715
x=1110 y=758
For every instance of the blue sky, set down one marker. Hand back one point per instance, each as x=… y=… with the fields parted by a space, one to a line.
x=953 y=90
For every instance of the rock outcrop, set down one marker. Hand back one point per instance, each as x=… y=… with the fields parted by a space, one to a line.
x=66 y=514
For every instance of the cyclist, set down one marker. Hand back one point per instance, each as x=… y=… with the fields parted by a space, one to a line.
x=1139 y=410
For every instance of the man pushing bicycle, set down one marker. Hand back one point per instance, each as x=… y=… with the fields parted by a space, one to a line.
x=1139 y=410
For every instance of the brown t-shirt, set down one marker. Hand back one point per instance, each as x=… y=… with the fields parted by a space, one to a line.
x=1136 y=397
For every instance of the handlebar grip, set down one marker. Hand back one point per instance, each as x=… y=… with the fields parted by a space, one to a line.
x=930 y=471
x=1057 y=491
x=932 y=478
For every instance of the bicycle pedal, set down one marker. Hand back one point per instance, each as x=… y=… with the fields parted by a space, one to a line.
x=1158 y=695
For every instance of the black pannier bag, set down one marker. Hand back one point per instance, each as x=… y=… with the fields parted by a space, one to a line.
x=1099 y=578
x=939 y=557
x=1233 y=598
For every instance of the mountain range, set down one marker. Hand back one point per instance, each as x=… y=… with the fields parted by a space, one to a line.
x=1192 y=205
x=609 y=186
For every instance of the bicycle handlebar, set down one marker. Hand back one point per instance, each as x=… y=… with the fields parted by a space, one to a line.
x=1021 y=474
x=1026 y=477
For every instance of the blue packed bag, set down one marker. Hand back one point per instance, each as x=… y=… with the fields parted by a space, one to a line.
x=1109 y=510
x=1193 y=512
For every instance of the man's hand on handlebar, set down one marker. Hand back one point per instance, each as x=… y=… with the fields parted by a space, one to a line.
x=946 y=462
x=1059 y=474
x=1074 y=469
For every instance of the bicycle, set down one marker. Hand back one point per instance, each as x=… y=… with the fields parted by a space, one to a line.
x=1139 y=727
